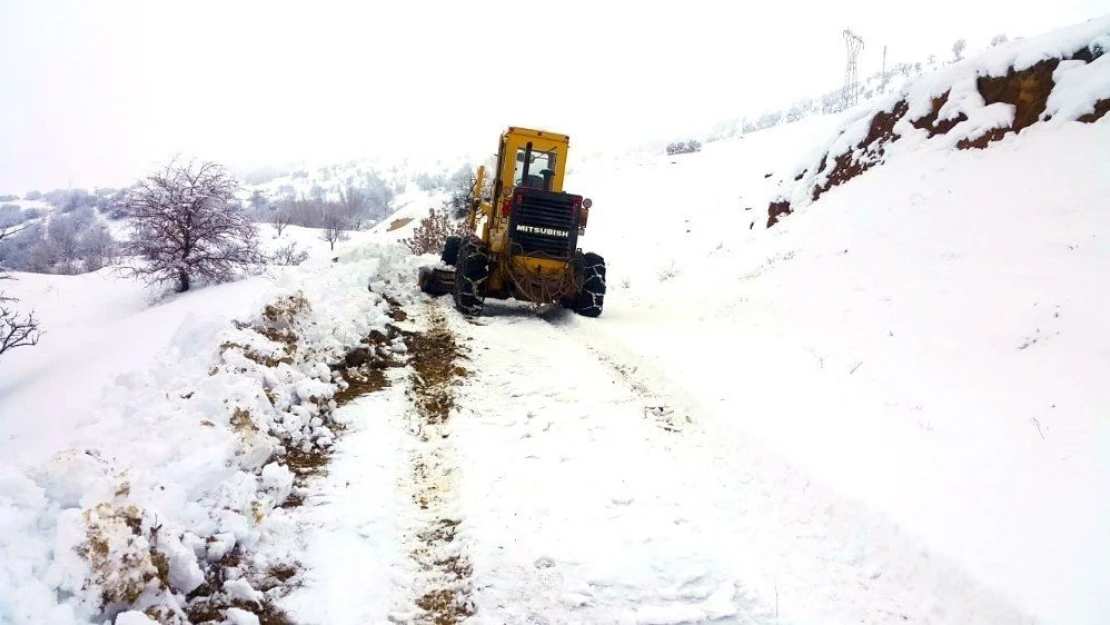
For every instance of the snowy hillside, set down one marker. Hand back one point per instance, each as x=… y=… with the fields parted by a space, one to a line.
x=887 y=407
x=905 y=342
x=906 y=339
x=1048 y=81
x=412 y=173
x=186 y=417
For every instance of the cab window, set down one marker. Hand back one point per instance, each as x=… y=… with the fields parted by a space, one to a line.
x=541 y=169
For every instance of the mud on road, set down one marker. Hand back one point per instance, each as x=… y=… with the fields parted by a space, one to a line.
x=443 y=568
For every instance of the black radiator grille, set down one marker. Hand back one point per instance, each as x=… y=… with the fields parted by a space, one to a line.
x=545 y=222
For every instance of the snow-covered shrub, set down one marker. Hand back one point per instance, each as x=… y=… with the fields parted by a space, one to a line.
x=16 y=329
x=379 y=196
x=96 y=248
x=289 y=255
x=430 y=182
x=684 y=147
x=67 y=200
x=429 y=236
x=16 y=244
x=958 y=49
x=668 y=271
x=11 y=215
x=262 y=175
x=67 y=243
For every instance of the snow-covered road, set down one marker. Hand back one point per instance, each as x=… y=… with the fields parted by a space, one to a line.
x=582 y=486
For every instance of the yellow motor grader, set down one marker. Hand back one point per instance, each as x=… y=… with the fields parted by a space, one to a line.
x=526 y=244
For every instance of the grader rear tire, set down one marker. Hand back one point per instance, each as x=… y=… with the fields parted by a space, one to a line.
x=450 y=255
x=591 y=298
x=471 y=275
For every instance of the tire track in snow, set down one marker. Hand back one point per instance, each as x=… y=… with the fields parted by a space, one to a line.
x=576 y=513
x=442 y=570
x=828 y=556
x=583 y=507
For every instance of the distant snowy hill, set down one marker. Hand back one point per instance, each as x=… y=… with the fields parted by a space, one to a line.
x=400 y=173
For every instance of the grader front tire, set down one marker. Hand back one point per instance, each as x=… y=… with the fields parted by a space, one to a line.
x=591 y=298
x=471 y=275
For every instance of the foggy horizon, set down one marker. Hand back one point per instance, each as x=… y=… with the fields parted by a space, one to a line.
x=98 y=93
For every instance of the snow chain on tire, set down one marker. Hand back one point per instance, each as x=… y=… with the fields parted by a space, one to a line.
x=471 y=274
x=591 y=298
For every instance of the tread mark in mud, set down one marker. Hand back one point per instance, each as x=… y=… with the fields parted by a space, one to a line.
x=440 y=554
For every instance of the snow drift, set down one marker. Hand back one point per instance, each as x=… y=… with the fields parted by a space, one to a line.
x=167 y=492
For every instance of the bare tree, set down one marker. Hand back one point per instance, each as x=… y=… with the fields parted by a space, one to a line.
x=958 y=49
x=304 y=212
x=461 y=188
x=335 y=224
x=282 y=218
x=353 y=200
x=999 y=39
x=186 y=226
x=61 y=247
x=97 y=248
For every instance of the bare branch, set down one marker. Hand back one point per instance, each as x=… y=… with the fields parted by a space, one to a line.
x=12 y=231
x=16 y=331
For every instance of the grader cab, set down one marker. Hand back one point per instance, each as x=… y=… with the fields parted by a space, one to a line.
x=525 y=234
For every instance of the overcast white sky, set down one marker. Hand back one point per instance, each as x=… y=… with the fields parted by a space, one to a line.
x=93 y=92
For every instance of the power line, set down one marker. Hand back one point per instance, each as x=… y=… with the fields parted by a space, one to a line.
x=850 y=93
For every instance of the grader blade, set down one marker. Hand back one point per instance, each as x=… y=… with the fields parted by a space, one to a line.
x=435 y=281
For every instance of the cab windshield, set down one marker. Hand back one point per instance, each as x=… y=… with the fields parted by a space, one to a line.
x=540 y=168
